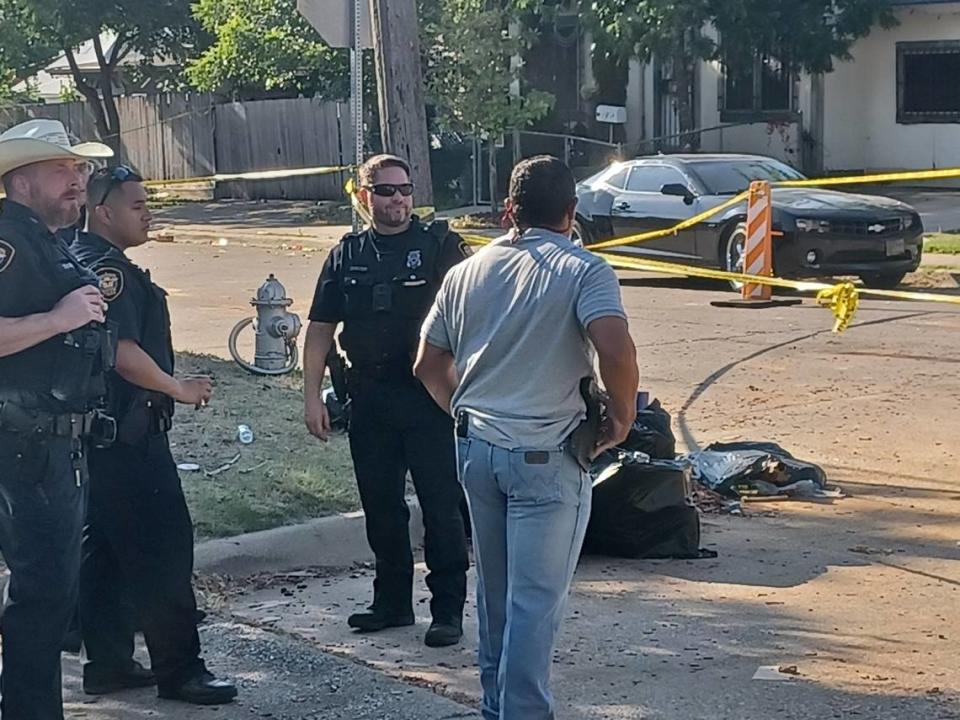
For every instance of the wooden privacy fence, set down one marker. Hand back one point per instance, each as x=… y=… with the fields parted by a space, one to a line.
x=177 y=136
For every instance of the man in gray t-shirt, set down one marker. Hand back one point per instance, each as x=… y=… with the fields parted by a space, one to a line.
x=509 y=338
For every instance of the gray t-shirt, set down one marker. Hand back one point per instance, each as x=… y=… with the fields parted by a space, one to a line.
x=514 y=316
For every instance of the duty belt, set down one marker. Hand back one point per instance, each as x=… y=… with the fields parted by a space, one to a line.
x=385 y=371
x=17 y=419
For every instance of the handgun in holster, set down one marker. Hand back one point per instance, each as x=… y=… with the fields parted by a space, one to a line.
x=338 y=374
x=149 y=414
x=583 y=440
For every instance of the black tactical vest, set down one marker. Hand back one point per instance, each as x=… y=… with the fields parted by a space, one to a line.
x=389 y=284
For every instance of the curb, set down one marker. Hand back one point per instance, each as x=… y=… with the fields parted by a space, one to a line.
x=335 y=541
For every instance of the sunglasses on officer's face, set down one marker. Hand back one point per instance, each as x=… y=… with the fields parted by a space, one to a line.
x=115 y=176
x=389 y=190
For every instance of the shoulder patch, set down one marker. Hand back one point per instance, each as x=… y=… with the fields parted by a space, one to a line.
x=111 y=283
x=7 y=251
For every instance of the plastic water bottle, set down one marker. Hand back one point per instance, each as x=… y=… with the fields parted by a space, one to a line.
x=244 y=434
x=643 y=400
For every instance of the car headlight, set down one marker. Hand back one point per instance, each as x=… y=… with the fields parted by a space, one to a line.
x=807 y=225
x=909 y=222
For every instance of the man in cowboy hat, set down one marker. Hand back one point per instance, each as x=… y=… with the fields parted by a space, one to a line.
x=54 y=355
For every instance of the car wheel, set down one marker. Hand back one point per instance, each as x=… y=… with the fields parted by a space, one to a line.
x=883 y=281
x=582 y=234
x=732 y=249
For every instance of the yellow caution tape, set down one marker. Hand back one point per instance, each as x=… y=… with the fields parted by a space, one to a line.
x=843 y=300
x=907 y=176
x=656 y=234
x=256 y=175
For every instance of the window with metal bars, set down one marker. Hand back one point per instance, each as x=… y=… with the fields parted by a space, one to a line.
x=927 y=87
x=760 y=87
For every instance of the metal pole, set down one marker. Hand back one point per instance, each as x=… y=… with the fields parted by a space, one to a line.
x=356 y=96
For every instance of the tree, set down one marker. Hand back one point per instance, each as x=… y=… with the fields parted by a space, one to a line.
x=158 y=30
x=469 y=72
x=265 y=47
x=23 y=50
x=807 y=35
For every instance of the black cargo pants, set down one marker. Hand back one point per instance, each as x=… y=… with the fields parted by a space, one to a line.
x=138 y=554
x=395 y=426
x=41 y=518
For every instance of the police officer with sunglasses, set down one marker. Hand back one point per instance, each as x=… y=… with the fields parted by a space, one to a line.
x=380 y=283
x=138 y=540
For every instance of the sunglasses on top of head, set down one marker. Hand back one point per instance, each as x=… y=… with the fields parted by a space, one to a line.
x=116 y=176
x=389 y=190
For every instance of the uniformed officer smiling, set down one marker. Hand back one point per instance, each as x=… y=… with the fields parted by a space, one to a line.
x=138 y=542
x=379 y=284
x=54 y=354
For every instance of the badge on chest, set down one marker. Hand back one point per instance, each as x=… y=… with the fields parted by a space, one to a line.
x=111 y=283
x=414 y=259
x=6 y=254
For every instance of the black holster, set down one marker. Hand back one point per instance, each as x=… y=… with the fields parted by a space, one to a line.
x=583 y=441
x=149 y=414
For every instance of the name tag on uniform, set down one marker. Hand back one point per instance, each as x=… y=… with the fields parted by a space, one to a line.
x=414 y=283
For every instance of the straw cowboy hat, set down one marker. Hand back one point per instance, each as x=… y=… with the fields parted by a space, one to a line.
x=39 y=140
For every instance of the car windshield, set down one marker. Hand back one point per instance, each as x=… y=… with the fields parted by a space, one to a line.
x=729 y=177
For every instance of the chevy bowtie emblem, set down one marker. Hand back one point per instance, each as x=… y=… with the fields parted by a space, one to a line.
x=878 y=228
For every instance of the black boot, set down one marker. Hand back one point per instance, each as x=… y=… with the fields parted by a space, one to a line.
x=201 y=689
x=377 y=619
x=99 y=681
x=443 y=632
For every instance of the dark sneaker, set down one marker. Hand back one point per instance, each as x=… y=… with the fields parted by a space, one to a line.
x=201 y=689
x=377 y=620
x=103 y=682
x=443 y=633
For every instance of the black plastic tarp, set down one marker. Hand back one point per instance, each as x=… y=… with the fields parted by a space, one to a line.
x=642 y=510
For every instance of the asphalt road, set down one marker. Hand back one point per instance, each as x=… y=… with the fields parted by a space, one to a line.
x=859 y=593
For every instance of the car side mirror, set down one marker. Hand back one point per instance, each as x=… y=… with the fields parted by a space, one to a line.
x=678 y=190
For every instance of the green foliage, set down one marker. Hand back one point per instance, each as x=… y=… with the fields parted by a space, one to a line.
x=807 y=35
x=265 y=46
x=468 y=71
x=23 y=48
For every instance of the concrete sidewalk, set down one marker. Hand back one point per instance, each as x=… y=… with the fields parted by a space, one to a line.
x=280 y=678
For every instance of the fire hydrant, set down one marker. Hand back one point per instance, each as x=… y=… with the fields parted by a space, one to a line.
x=276 y=332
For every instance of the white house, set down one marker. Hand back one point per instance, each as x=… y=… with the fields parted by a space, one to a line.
x=55 y=81
x=896 y=105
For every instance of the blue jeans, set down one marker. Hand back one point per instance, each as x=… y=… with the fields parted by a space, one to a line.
x=529 y=511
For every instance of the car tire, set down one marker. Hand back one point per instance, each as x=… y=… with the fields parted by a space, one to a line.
x=582 y=233
x=731 y=252
x=883 y=281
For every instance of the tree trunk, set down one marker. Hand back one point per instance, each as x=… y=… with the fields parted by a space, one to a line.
x=683 y=77
x=492 y=172
x=104 y=109
x=112 y=137
x=403 y=118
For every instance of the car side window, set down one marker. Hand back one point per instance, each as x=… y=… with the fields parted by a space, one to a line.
x=650 y=178
x=618 y=179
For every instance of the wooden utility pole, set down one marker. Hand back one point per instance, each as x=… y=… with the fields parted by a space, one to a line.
x=403 y=117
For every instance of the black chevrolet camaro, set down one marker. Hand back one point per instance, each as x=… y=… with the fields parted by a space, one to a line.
x=817 y=233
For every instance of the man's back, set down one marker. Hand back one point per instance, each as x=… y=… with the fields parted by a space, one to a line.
x=514 y=316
